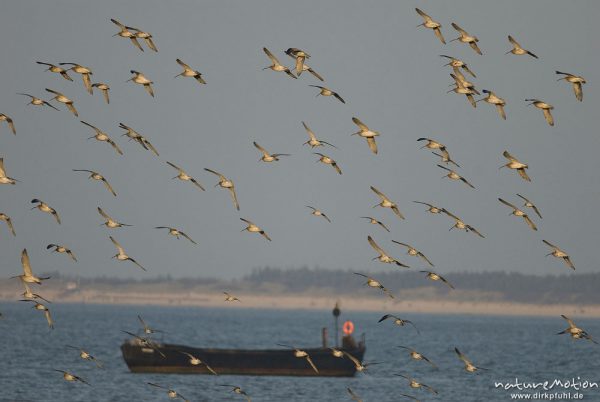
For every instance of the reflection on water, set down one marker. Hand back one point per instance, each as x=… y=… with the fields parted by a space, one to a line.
x=523 y=347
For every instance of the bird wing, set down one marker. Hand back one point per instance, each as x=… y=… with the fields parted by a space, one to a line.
x=459 y=29
x=72 y=109
x=271 y=56
x=360 y=124
x=353 y=359
x=117 y=245
x=104 y=214
x=551 y=245
x=523 y=174
x=445 y=168
x=466 y=68
x=54 y=92
x=87 y=82
x=213 y=172
x=420 y=254
x=106 y=96
x=265 y=235
x=382 y=225
x=336 y=167
x=374 y=245
x=157 y=386
x=508 y=204
x=363 y=275
x=438 y=33
x=569 y=262
x=182 y=64
x=187 y=237
x=10 y=226
x=509 y=156
x=500 y=110
x=25 y=263
x=234 y=198
x=176 y=167
x=151 y=44
x=148 y=88
x=338 y=97
x=444 y=210
x=2 y=171
x=472 y=229
x=372 y=144
x=353 y=395
x=385 y=317
x=136 y=263
x=313 y=72
x=514 y=42
x=426 y=17
x=150 y=146
x=445 y=281
x=548 y=116
x=309 y=131
x=578 y=91
x=380 y=194
x=402 y=244
x=529 y=222
x=108 y=186
x=247 y=221
x=50 y=321
x=309 y=360
x=261 y=149
x=136 y=43
x=571 y=323
x=462 y=357
x=475 y=47
x=197 y=184
x=115 y=146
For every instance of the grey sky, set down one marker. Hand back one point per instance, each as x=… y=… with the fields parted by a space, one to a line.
x=389 y=73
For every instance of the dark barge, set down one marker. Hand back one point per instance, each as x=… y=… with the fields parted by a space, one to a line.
x=173 y=359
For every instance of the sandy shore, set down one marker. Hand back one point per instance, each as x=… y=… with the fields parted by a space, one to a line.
x=316 y=302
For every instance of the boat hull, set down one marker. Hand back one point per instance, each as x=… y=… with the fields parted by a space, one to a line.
x=275 y=362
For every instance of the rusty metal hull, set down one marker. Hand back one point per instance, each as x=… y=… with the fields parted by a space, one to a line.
x=274 y=362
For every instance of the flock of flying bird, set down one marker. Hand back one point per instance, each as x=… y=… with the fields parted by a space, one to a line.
x=460 y=86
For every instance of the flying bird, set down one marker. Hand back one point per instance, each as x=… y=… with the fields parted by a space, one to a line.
x=72 y=377
x=146 y=36
x=28 y=294
x=302 y=354
x=467 y=91
x=414 y=252
x=493 y=99
x=230 y=298
x=59 y=97
x=529 y=204
x=276 y=65
x=56 y=69
x=306 y=67
x=141 y=79
x=375 y=284
x=237 y=390
x=575 y=331
x=8 y=121
x=417 y=356
x=146 y=328
x=42 y=206
x=312 y=140
x=437 y=277
x=183 y=176
x=226 y=183
x=469 y=367
x=317 y=212
x=110 y=222
x=415 y=384
x=360 y=366
x=41 y=307
x=383 y=256
x=194 y=361
x=266 y=156
x=85 y=73
x=189 y=72
x=28 y=276
x=104 y=88
x=98 y=176
x=103 y=137
x=513 y=163
x=445 y=157
x=577 y=82
x=146 y=342
x=386 y=202
x=398 y=321
x=252 y=228
x=466 y=38
x=517 y=212
x=452 y=175
x=374 y=221
x=127 y=32
x=300 y=56
x=37 y=101
x=431 y=208
x=558 y=253
x=458 y=63
x=459 y=224
x=86 y=356
x=4 y=179
x=170 y=392
x=328 y=92
x=176 y=233
x=121 y=255
x=353 y=395
x=545 y=107
x=61 y=249
x=428 y=22
x=518 y=49
x=137 y=137
x=328 y=161
x=6 y=218
x=366 y=133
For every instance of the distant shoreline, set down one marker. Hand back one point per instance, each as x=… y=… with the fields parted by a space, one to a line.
x=315 y=302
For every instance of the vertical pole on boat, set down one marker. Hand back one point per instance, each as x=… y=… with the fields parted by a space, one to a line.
x=336 y=314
